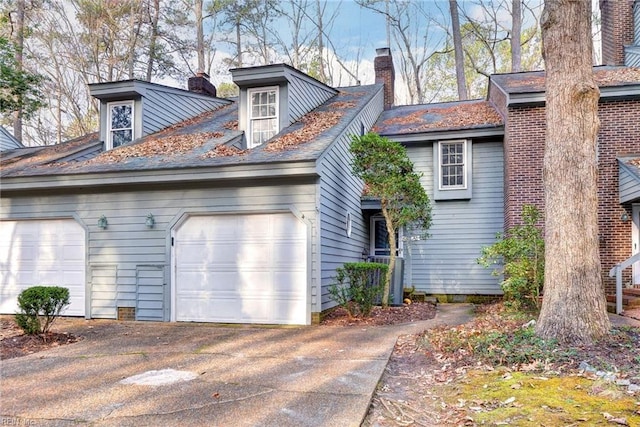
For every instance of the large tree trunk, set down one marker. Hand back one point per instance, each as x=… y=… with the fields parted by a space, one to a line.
x=19 y=43
x=516 y=35
x=574 y=306
x=199 y=35
x=457 y=48
x=153 y=38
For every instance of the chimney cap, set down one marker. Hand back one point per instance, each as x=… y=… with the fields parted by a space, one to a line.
x=383 y=51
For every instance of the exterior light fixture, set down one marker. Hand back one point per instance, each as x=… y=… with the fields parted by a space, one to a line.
x=102 y=222
x=624 y=217
x=150 y=222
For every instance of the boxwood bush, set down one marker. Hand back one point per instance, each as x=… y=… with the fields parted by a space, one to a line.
x=39 y=307
x=358 y=286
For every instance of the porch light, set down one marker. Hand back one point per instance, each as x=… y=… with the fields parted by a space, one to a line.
x=624 y=217
x=150 y=222
x=102 y=222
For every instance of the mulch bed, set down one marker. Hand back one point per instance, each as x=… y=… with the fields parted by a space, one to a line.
x=13 y=343
x=380 y=317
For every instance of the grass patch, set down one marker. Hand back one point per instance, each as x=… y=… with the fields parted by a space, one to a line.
x=525 y=399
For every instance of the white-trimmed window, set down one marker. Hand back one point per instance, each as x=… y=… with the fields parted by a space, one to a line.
x=452 y=165
x=120 y=120
x=452 y=169
x=263 y=114
x=379 y=238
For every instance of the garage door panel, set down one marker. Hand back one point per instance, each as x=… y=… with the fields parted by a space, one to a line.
x=252 y=268
x=256 y=310
x=255 y=226
x=286 y=282
x=290 y=254
x=285 y=309
x=73 y=253
x=44 y=252
x=193 y=311
x=254 y=254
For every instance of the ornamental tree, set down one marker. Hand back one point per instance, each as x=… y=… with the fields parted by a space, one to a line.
x=388 y=173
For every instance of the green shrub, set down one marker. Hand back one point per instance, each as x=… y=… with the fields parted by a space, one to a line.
x=358 y=286
x=39 y=308
x=520 y=258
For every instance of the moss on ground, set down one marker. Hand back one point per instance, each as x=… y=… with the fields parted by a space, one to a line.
x=526 y=399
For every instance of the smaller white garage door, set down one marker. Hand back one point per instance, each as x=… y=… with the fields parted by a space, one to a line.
x=241 y=269
x=47 y=253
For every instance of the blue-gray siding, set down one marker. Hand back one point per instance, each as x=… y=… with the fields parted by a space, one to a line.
x=446 y=261
x=304 y=97
x=128 y=264
x=8 y=141
x=628 y=184
x=161 y=108
x=340 y=193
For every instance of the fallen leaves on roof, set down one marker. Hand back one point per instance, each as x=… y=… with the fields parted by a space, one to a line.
x=454 y=116
x=51 y=152
x=223 y=151
x=343 y=104
x=313 y=125
x=174 y=144
x=617 y=76
x=193 y=120
x=635 y=162
x=603 y=77
x=231 y=125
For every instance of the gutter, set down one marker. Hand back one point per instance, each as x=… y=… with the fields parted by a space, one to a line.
x=159 y=178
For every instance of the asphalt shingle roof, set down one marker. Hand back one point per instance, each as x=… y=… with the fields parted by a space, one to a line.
x=534 y=81
x=410 y=119
x=203 y=141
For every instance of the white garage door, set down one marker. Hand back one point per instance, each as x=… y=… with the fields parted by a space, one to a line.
x=47 y=253
x=241 y=269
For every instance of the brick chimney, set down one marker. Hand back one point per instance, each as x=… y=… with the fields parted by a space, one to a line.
x=617 y=29
x=385 y=73
x=200 y=84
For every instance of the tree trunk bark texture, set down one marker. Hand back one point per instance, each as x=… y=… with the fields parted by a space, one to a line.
x=574 y=306
x=457 y=47
x=516 y=35
x=392 y=255
x=19 y=42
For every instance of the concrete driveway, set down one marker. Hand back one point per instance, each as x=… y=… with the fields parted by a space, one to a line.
x=151 y=374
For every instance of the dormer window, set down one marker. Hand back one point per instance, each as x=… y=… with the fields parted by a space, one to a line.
x=263 y=115
x=120 y=121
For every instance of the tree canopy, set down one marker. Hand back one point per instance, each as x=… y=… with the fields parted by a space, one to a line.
x=19 y=89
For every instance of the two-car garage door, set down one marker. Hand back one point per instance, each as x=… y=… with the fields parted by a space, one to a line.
x=46 y=252
x=241 y=269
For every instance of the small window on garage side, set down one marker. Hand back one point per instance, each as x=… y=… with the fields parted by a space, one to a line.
x=452 y=166
x=120 y=122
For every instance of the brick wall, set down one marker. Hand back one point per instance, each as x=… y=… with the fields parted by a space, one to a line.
x=617 y=29
x=524 y=153
x=619 y=136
